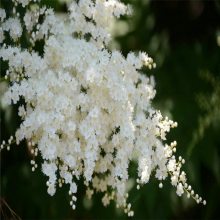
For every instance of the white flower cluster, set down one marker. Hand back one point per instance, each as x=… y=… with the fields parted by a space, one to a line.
x=87 y=110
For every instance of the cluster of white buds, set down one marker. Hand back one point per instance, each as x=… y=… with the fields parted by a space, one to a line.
x=87 y=110
x=34 y=153
x=191 y=194
x=34 y=165
x=179 y=180
x=73 y=200
x=128 y=210
x=7 y=144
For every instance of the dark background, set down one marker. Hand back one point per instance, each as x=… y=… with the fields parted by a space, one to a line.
x=183 y=37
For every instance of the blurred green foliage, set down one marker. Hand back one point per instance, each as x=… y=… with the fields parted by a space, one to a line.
x=183 y=38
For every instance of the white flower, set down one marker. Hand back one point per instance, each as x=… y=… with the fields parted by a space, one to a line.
x=2 y=14
x=171 y=165
x=25 y=2
x=179 y=190
x=87 y=109
x=13 y=25
x=174 y=180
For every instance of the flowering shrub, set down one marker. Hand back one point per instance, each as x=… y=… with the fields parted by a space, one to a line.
x=86 y=110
